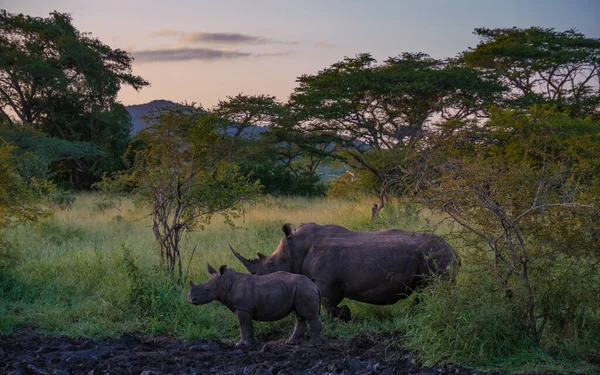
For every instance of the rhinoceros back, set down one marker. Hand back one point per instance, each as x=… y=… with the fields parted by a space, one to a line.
x=373 y=267
x=278 y=294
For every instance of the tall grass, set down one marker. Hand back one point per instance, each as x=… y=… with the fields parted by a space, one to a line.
x=93 y=271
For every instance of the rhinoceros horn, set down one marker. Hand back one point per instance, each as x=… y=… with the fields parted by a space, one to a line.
x=244 y=261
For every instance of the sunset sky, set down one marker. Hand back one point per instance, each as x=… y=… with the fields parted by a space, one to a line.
x=202 y=51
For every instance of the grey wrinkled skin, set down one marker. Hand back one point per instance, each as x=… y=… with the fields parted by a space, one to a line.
x=263 y=298
x=379 y=268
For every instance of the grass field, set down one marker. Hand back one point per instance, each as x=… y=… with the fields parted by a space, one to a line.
x=74 y=273
x=90 y=271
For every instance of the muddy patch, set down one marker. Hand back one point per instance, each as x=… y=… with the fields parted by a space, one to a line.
x=28 y=352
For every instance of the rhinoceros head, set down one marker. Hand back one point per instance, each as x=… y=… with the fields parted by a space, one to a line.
x=280 y=260
x=209 y=291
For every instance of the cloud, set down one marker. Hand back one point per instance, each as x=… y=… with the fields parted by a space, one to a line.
x=324 y=45
x=223 y=38
x=165 y=33
x=217 y=38
x=187 y=54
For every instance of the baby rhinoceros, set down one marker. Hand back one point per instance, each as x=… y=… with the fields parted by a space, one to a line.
x=263 y=298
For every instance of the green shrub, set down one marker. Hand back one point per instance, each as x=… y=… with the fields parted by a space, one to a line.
x=159 y=301
x=62 y=199
x=476 y=323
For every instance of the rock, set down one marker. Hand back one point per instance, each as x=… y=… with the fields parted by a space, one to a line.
x=237 y=351
x=60 y=372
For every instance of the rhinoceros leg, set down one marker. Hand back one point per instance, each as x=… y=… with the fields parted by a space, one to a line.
x=299 y=330
x=315 y=331
x=331 y=308
x=246 y=330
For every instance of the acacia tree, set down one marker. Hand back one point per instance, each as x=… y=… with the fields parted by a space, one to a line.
x=525 y=194
x=65 y=83
x=270 y=146
x=35 y=153
x=184 y=172
x=243 y=111
x=376 y=114
x=542 y=66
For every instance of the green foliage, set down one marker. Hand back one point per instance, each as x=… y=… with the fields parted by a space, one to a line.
x=156 y=297
x=354 y=184
x=376 y=113
x=542 y=66
x=284 y=160
x=278 y=180
x=524 y=196
x=382 y=105
x=278 y=169
x=39 y=156
x=53 y=62
x=475 y=324
x=62 y=199
x=19 y=202
x=65 y=82
x=243 y=111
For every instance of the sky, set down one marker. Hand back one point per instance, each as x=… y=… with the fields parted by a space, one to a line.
x=203 y=51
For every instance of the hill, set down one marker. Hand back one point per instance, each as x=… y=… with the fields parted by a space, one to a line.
x=137 y=111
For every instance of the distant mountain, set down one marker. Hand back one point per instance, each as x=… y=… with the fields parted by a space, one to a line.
x=139 y=110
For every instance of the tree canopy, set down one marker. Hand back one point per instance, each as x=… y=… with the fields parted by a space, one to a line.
x=367 y=109
x=64 y=82
x=542 y=66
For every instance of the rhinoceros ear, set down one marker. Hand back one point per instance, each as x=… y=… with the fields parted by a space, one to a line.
x=261 y=256
x=211 y=270
x=287 y=229
x=191 y=284
x=222 y=269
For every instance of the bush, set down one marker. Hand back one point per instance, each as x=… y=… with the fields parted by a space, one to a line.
x=62 y=199
x=476 y=324
x=353 y=185
x=159 y=301
x=278 y=180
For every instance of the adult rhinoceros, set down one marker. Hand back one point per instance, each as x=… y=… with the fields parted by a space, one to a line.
x=380 y=268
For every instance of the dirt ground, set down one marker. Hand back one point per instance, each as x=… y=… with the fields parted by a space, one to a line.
x=28 y=352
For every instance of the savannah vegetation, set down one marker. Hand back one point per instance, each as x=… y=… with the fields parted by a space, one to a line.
x=496 y=149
